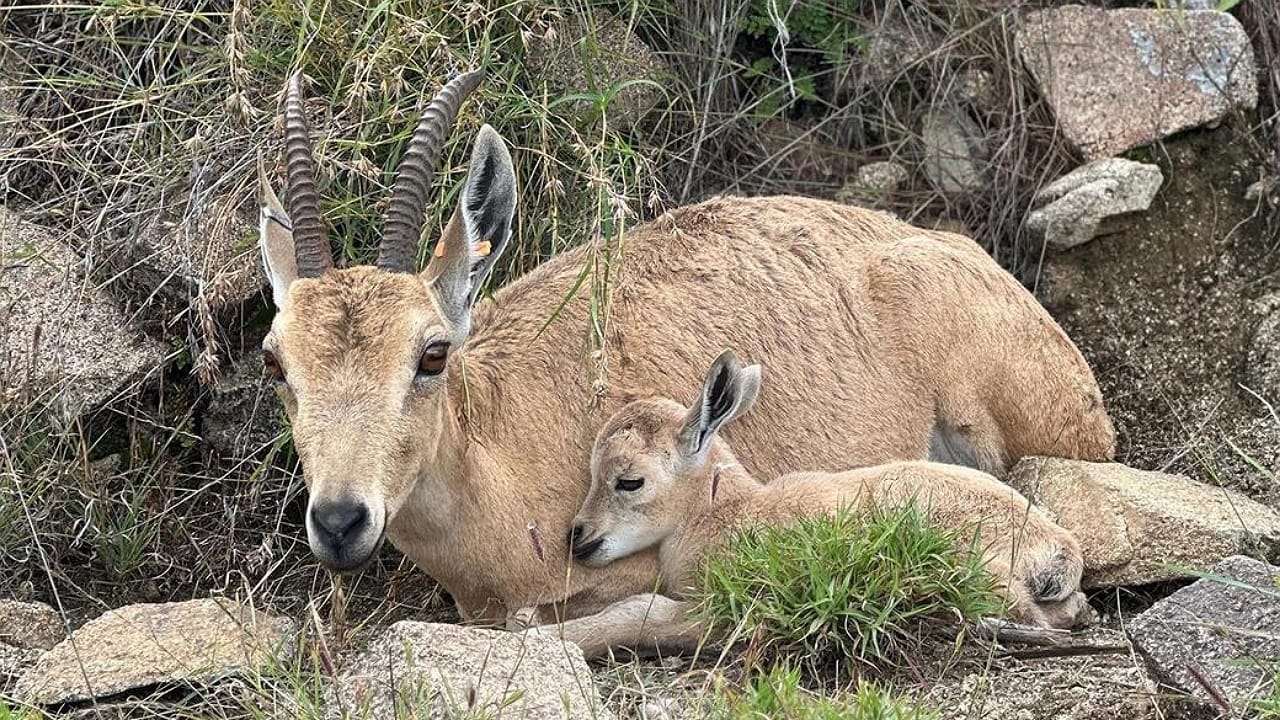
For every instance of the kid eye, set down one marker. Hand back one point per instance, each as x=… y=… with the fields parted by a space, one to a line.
x=627 y=484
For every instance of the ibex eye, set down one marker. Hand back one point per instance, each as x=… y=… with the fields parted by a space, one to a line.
x=271 y=366
x=630 y=484
x=433 y=359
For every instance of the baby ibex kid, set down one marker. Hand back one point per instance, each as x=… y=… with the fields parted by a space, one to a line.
x=660 y=475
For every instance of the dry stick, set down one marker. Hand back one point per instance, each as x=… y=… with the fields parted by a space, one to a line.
x=1203 y=681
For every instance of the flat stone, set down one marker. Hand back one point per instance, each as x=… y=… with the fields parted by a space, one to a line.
x=29 y=625
x=1076 y=207
x=244 y=415
x=449 y=669
x=1119 y=79
x=65 y=345
x=1138 y=527
x=139 y=646
x=1225 y=627
x=573 y=57
x=950 y=162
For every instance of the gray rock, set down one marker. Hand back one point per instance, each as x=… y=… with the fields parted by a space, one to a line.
x=66 y=347
x=1138 y=527
x=29 y=625
x=208 y=258
x=1076 y=207
x=13 y=662
x=979 y=88
x=873 y=184
x=1221 y=627
x=1119 y=79
x=445 y=669
x=244 y=415
x=151 y=644
x=1191 y=4
x=597 y=54
x=950 y=161
x=898 y=41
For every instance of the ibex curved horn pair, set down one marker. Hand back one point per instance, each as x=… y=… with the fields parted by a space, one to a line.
x=399 y=248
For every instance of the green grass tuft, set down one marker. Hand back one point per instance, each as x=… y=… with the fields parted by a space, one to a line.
x=777 y=694
x=857 y=586
x=1267 y=707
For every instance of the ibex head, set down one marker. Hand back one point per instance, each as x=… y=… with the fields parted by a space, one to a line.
x=360 y=355
x=651 y=459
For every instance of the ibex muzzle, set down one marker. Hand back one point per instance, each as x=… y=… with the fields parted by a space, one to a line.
x=360 y=354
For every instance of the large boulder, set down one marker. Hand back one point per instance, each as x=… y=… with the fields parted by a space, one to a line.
x=139 y=646
x=208 y=257
x=1119 y=79
x=1085 y=203
x=65 y=345
x=1138 y=527
x=1220 y=632
x=449 y=670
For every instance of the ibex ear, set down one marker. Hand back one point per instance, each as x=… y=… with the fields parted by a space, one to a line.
x=728 y=391
x=478 y=232
x=275 y=240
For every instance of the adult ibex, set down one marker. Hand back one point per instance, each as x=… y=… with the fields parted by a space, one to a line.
x=662 y=477
x=462 y=430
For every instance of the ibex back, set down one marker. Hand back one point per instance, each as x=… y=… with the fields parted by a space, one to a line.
x=462 y=430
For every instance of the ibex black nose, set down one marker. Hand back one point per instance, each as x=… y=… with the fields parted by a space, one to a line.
x=575 y=532
x=339 y=520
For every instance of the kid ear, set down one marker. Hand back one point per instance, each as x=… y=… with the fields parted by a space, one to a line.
x=728 y=391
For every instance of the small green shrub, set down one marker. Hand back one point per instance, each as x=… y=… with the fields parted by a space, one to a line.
x=857 y=586
x=820 y=37
x=8 y=713
x=830 y=27
x=777 y=694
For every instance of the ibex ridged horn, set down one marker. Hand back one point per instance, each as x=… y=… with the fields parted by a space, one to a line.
x=310 y=246
x=413 y=178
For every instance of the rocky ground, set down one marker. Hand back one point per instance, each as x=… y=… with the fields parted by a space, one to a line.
x=1149 y=228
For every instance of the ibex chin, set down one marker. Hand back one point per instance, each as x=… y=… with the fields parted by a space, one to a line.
x=461 y=430
x=661 y=477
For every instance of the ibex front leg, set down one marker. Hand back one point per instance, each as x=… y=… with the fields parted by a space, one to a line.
x=644 y=624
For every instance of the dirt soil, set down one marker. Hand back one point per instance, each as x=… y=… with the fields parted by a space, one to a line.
x=1166 y=310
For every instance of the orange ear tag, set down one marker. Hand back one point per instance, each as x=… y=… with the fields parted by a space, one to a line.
x=440 y=248
x=484 y=248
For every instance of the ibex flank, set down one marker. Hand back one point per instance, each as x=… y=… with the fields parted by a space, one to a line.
x=461 y=429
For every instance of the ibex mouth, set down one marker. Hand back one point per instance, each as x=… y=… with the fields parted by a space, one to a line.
x=582 y=551
x=346 y=562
